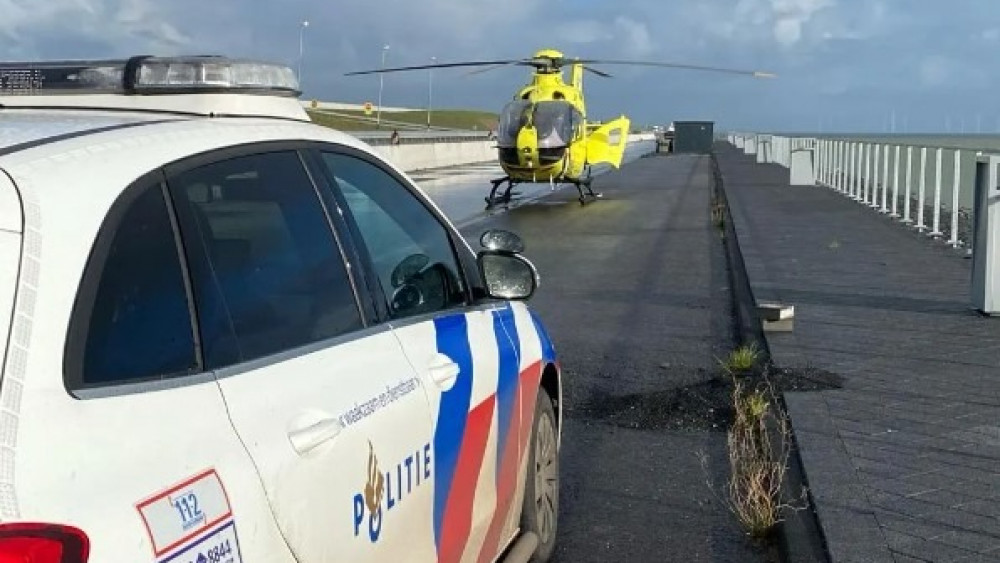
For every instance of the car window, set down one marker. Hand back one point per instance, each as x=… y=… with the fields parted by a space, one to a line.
x=266 y=269
x=410 y=249
x=140 y=325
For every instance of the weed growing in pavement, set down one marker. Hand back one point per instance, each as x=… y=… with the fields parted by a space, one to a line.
x=719 y=218
x=759 y=444
x=756 y=469
x=741 y=360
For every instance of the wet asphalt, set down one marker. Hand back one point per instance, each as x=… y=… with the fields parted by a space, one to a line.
x=635 y=295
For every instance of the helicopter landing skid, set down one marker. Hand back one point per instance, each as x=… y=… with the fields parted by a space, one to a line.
x=493 y=199
x=582 y=185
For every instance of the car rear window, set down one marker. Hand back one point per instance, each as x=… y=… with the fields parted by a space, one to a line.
x=140 y=326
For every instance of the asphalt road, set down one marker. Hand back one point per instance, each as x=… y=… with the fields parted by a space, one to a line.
x=635 y=296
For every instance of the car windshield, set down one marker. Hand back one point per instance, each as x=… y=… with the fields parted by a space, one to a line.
x=554 y=121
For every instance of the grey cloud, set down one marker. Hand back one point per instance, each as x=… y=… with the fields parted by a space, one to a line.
x=849 y=60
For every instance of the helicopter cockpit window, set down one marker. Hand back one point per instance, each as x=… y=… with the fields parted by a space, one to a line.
x=554 y=121
x=514 y=116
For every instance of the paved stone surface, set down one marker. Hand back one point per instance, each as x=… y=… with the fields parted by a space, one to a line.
x=634 y=294
x=904 y=461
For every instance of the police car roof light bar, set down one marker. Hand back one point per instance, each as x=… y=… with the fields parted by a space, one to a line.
x=143 y=75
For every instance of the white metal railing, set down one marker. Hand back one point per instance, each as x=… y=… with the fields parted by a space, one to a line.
x=929 y=188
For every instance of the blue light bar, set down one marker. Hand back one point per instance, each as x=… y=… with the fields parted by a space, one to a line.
x=148 y=75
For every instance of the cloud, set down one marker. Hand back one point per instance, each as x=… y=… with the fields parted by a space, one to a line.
x=991 y=35
x=581 y=32
x=846 y=54
x=788 y=31
x=34 y=28
x=934 y=70
x=791 y=15
x=635 y=37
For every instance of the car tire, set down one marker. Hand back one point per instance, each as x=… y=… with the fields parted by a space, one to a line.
x=540 y=508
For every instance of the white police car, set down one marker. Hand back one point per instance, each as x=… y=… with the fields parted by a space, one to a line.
x=228 y=334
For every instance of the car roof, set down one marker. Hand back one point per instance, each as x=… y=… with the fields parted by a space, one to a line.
x=29 y=127
x=72 y=161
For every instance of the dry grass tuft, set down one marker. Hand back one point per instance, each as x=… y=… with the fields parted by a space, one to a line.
x=759 y=444
x=741 y=360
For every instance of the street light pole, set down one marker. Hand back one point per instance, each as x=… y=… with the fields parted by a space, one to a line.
x=381 y=80
x=302 y=32
x=430 y=91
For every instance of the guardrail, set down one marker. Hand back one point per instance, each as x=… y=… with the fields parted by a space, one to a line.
x=420 y=137
x=940 y=191
x=926 y=186
x=431 y=151
x=424 y=137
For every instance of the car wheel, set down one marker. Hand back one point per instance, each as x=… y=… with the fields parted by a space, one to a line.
x=540 y=510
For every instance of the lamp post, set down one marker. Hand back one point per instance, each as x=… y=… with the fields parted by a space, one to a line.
x=381 y=80
x=302 y=33
x=430 y=91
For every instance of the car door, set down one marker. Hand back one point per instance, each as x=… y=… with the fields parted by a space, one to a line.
x=460 y=348
x=324 y=399
x=148 y=466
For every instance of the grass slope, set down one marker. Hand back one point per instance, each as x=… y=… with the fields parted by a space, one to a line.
x=356 y=120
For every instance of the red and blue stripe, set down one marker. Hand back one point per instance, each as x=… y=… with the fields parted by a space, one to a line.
x=459 y=442
x=462 y=431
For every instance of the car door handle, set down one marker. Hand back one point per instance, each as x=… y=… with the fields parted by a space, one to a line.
x=443 y=371
x=310 y=431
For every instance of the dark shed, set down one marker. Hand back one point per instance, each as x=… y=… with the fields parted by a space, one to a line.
x=693 y=136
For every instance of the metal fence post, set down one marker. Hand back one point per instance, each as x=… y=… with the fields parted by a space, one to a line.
x=837 y=172
x=820 y=162
x=826 y=162
x=843 y=166
x=859 y=176
x=829 y=163
x=885 y=180
x=821 y=157
x=869 y=164
x=859 y=181
x=922 y=195
x=876 y=164
x=852 y=163
x=848 y=168
x=895 y=183
x=909 y=186
x=956 y=187
x=936 y=219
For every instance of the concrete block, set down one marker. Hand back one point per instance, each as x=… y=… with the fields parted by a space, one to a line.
x=776 y=317
x=802 y=170
x=763 y=152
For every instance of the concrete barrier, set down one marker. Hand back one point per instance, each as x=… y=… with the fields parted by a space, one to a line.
x=802 y=172
x=437 y=155
x=422 y=156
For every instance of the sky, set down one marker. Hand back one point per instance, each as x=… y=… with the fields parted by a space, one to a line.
x=842 y=65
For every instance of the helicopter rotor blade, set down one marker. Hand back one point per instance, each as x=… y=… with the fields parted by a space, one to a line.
x=439 y=65
x=754 y=73
x=522 y=62
x=598 y=72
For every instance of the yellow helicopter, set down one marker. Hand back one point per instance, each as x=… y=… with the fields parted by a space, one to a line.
x=543 y=134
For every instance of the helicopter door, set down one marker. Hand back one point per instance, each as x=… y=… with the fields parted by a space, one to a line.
x=606 y=144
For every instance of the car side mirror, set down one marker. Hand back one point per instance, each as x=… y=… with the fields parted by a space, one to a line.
x=507 y=275
x=501 y=240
